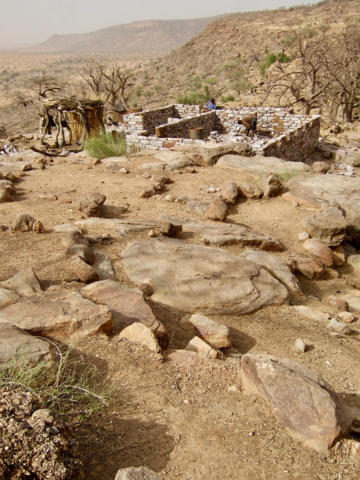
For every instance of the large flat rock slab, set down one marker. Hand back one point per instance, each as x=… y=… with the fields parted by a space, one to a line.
x=115 y=224
x=299 y=397
x=226 y=233
x=261 y=165
x=194 y=278
x=58 y=313
x=317 y=190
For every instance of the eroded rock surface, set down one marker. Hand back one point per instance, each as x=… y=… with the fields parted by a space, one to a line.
x=201 y=279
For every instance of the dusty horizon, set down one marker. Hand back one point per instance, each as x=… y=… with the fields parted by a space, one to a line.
x=35 y=22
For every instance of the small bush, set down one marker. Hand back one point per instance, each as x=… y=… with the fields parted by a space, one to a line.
x=272 y=58
x=227 y=98
x=192 y=98
x=105 y=146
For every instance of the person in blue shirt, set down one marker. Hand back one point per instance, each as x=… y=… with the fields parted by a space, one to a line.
x=211 y=105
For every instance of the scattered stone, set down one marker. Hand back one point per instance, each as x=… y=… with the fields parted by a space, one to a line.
x=353 y=299
x=303 y=236
x=320 y=167
x=34 y=442
x=312 y=314
x=196 y=206
x=172 y=160
x=126 y=306
x=160 y=179
x=17 y=347
x=84 y=272
x=339 y=256
x=26 y=168
x=146 y=289
x=272 y=187
x=226 y=234
x=74 y=237
x=90 y=204
x=66 y=227
x=133 y=473
x=83 y=252
x=339 y=327
x=345 y=317
x=169 y=198
x=147 y=193
x=301 y=345
x=103 y=265
x=215 y=333
x=309 y=268
x=152 y=233
x=24 y=223
x=354 y=262
x=250 y=191
x=5 y=195
x=167 y=228
x=183 y=199
x=194 y=278
x=299 y=397
x=48 y=196
x=328 y=227
x=203 y=349
x=336 y=302
x=139 y=333
x=320 y=251
x=230 y=192
x=113 y=211
x=24 y=283
x=278 y=269
x=58 y=314
x=217 y=210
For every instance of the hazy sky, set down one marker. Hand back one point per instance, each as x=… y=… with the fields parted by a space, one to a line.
x=27 y=22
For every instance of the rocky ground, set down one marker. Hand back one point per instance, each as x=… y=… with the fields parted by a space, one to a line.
x=184 y=414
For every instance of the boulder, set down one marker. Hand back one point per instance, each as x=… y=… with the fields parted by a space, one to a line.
x=197 y=206
x=24 y=283
x=339 y=256
x=319 y=250
x=103 y=265
x=90 y=204
x=312 y=313
x=277 y=267
x=113 y=211
x=133 y=473
x=86 y=273
x=194 y=278
x=272 y=187
x=328 y=227
x=25 y=222
x=5 y=195
x=230 y=192
x=320 y=167
x=58 y=314
x=336 y=302
x=169 y=229
x=353 y=299
x=300 y=398
x=216 y=334
x=138 y=333
x=173 y=160
x=316 y=190
x=226 y=234
x=81 y=251
x=17 y=347
x=259 y=164
x=308 y=267
x=354 y=263
x=203 y=349
x=74 y=237
x=250 y=191
x=217 y=210
x=127 y=306
x=205 y=155
x=339 y=327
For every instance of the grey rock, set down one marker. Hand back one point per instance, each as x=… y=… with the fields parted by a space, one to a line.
x=133 y=473
x=259 y=164
x=230 y=192
x=74 y=237
x=24 y=283
x=7 y=297
x=197 y=206
x=25 y=222
x=272 y=187
x=83 y=271
x=81 y=251
x=217 y=210
x=103 y=265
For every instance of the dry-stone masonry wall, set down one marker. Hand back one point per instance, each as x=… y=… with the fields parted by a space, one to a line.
x=280 y=133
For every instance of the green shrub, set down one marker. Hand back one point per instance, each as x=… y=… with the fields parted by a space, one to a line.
x=105 y=146
x=192 y=98
x=272 y=58
x=227 y=98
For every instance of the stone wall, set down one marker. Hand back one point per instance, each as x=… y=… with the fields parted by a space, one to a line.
x=181 y=128
x=281 y=133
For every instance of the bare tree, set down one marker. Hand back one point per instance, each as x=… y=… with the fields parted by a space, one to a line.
x=108 y=82
x=42 y=83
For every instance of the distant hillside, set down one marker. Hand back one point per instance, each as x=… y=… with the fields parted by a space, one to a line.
x=150 y=36
x=241 y=39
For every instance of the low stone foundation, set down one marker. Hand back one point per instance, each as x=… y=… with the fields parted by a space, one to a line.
x=279 y=133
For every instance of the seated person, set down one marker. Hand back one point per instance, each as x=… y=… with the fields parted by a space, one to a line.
x=211 y=105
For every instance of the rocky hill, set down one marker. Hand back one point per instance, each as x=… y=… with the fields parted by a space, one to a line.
x=137 y=37
x=243 y=40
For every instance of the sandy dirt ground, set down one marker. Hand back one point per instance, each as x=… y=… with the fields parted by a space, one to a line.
x=194 y=422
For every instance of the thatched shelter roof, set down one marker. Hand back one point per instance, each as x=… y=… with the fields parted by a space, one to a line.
x=70 y=103
x=119 y=108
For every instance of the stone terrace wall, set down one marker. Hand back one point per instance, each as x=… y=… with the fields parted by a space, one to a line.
x=297 y=144
x=181 y=128
x=146 y=122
